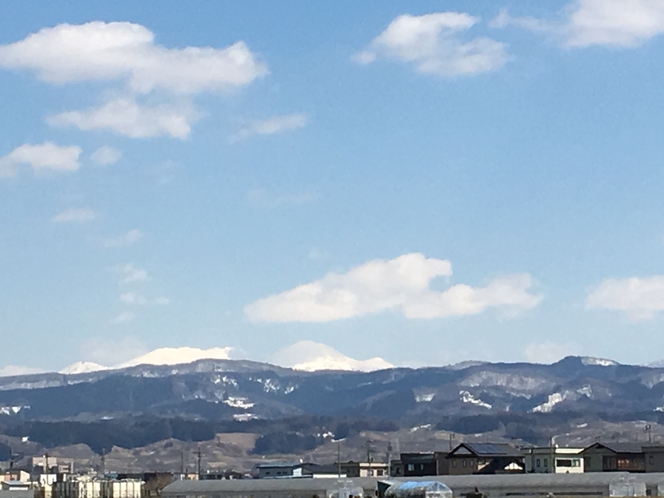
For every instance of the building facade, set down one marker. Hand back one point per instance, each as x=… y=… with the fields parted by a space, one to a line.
x=548 y=460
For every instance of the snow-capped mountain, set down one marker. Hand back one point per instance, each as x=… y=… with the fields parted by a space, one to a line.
x=82 y=367
x=312 y=356
x=177 y=356
x=161 y=356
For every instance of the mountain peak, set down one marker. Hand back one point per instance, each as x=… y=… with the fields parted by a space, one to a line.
x=177 y=356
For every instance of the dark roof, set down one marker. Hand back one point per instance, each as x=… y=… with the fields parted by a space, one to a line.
x=320 y=469
x=618 y=447
x=271 y=465
x=417 y=457
x=487 y=450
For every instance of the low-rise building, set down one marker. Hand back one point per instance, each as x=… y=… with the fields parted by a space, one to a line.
x=485 y=458
x=418 y=464
x=364 y=469
x=548 y=460
x=614 y=457
x=276 y=470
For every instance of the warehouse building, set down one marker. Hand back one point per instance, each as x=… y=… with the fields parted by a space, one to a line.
x=492 y=486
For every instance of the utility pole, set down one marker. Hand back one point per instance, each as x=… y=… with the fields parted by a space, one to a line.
x=370 y=471
x=648 y=429
x=389 y=458
x=199 y=462
x=339 y=459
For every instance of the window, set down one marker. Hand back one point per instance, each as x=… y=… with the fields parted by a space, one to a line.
x=546 y=462
x=576 y=462
x=379 y=472
x=411 y=467
x=564 y=462
x=464 y=463
x=651 y=460
x=537 y=463
x=453 y=463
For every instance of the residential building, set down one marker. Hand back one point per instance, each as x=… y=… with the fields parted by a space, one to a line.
x=364 y=469
x=654 y=457
x=15 y=486
x=485 y=458
x=15 y=475
x=418 y=464
x=396 y=468
x=282 y=470
x=538 y=460
x=614 y=457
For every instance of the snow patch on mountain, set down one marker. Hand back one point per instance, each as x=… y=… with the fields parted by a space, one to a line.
x=242 y=403
x=601 y=362
x=424 y=397
x=511 y=381
x=467 y=397
x=12 y=410
x=313 y=356
x=548 y=405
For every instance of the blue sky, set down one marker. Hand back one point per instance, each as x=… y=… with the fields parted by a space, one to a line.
x=425 y=183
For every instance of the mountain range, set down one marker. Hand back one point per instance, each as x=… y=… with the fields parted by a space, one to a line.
x=142 y=403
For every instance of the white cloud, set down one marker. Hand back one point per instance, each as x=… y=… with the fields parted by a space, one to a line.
x=549 y=352
x=127 y=239
x=125 y=116
x=106 y=155
x=124 y=317
x=131 y=298
x=639 y=298
x=271 y=126
x=75 y=216
x=401 y=284
x=112 y=351
x=129 y=273
x=584 y=23
x=432 y=43
x=13 y=370
x=626 y=23
x=41 y=158
x=99 y=51
x=312 y=356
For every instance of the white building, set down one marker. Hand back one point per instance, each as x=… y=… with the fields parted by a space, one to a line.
x=549 y=460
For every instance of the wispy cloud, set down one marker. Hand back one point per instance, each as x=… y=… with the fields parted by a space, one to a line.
x=402 y=285
x=433 y=44
x=585 y=23
x=271 y=126
x=127 y=239
x=75 y=216
x=42 y=158
x=106 y=155
x=125 y=116
x=638 y=298
x=124 y=317
x=130 y=274
x=133 y=299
